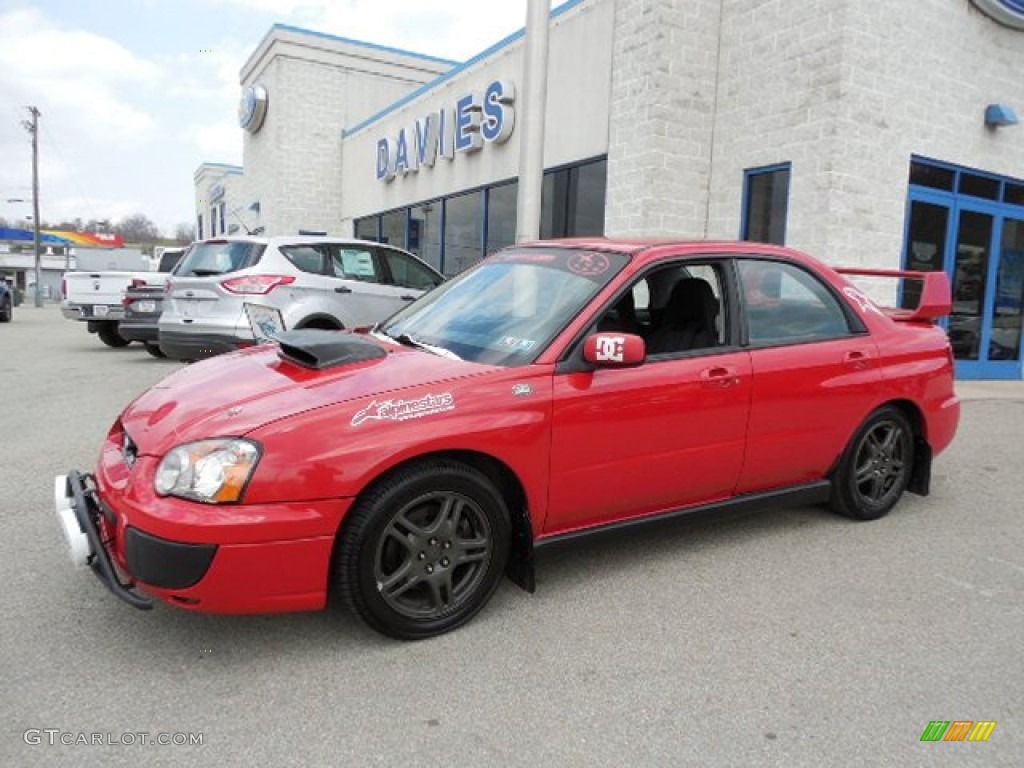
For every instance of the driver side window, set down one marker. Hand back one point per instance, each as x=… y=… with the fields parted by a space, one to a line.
x=676 y=309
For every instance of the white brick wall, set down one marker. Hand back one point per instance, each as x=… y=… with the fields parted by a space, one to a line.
x=660 y=118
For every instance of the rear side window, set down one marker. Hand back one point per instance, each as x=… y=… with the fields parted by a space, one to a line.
x=354 y=263
x=306 y=258
x=409 y=273
x=169 y=260
x=218 y=258
x=785 y=304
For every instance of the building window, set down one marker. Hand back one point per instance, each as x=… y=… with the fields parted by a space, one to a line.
x=199 y=227
x=463 y=232
x=425 y=232
x=213 y=221
x=222 y=207
x=502 y=204
x=392 y=228
x=367 y=229
x=572 y=201
x=765 y=204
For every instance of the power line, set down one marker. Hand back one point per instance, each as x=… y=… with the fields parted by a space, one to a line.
x=74 y=178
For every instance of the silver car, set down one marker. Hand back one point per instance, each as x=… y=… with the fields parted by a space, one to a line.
x=232 y=292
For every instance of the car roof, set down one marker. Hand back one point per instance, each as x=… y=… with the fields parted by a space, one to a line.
x=288 y=240
x=654 y=247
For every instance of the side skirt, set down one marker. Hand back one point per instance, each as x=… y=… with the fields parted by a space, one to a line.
x=796 y=496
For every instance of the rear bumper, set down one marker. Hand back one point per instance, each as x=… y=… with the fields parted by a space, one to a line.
x=139 y=330
x=194 y=346
x=110 y=313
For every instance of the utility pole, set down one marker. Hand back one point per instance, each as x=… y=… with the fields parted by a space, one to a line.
x=531 y=139
x=33 y=128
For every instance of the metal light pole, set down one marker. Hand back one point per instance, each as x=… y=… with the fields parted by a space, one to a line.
x=33 y=128
x=531 y=139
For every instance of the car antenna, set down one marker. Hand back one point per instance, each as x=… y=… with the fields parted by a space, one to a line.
x=235 y=214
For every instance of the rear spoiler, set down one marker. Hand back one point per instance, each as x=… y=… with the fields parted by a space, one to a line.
x=936 y=298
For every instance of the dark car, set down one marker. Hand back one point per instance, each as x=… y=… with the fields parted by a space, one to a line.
x=6 y=301
x=143 y=305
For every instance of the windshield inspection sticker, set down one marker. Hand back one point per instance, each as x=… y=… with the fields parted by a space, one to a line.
x=522 y=345
x=403 y=410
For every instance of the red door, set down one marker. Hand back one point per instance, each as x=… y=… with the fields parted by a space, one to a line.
x=629 y=442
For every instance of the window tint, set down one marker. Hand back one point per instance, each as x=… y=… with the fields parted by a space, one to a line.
x=355 y=264
x=785 y=304
x=306 y=258
x=409 y=273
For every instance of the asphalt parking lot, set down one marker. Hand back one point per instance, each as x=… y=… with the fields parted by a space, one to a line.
x=789 y=638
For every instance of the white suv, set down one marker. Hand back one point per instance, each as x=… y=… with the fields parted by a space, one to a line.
x=231 y=292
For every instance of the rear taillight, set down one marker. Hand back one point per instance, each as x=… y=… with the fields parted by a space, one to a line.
x=259 y=284
x=126 y=301
x=138 y=282
x=168 y=285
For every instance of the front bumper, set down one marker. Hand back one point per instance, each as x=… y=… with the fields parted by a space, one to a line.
x=80 y=514
x=265 y=558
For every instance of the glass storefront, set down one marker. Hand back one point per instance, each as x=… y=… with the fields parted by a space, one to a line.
x=455 y=232
x=971 y=225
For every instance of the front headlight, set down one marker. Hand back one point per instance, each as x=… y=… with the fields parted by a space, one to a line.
x=211 y=471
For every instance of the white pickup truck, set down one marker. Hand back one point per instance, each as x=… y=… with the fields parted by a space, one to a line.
x=96 y=297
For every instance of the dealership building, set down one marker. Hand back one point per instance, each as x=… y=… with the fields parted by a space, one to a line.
x=867 y=133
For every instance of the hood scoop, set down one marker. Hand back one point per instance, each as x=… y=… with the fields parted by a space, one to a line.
x=319 y=349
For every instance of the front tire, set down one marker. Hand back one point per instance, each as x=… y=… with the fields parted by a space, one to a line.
x=7 y=311
x=155 y=351
x=876 y=466
x=108 y=335
x=423 y=550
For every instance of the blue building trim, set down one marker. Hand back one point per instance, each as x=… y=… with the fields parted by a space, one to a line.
x=426 y=87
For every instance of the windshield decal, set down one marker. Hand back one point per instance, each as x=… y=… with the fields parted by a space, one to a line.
x=588 y=264
x=403 y=410
x=861 y=300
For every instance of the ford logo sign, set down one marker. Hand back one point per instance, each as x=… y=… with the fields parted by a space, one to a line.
x=1008 y=12
x=252 y=108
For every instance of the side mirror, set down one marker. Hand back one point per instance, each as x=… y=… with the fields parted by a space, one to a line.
x=614 y=350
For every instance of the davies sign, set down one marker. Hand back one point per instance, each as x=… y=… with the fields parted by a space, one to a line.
x=475 y=120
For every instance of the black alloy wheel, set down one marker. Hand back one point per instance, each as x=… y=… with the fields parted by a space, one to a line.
x=876 y=466
x=423 y=550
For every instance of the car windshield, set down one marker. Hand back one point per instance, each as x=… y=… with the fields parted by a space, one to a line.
x=507 y=309
x=218 y=257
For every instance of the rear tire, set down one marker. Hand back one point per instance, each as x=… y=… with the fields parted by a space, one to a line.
x=7 y=311
x=876 y=466
x=423 y=550
x=108 y=335
x=155 y=351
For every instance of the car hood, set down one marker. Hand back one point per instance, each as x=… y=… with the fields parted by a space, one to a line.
x=233 y=394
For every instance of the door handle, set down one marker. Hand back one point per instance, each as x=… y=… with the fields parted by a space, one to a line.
x=720 y=376
x=343 y=289
x=407 y=297
x=857 y=359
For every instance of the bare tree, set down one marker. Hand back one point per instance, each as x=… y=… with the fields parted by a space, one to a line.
x=137 y=228
x=184 y=233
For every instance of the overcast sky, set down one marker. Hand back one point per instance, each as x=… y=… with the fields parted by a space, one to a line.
x=134 y=94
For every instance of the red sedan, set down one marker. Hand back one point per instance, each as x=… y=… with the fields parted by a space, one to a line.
x=555 y=389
